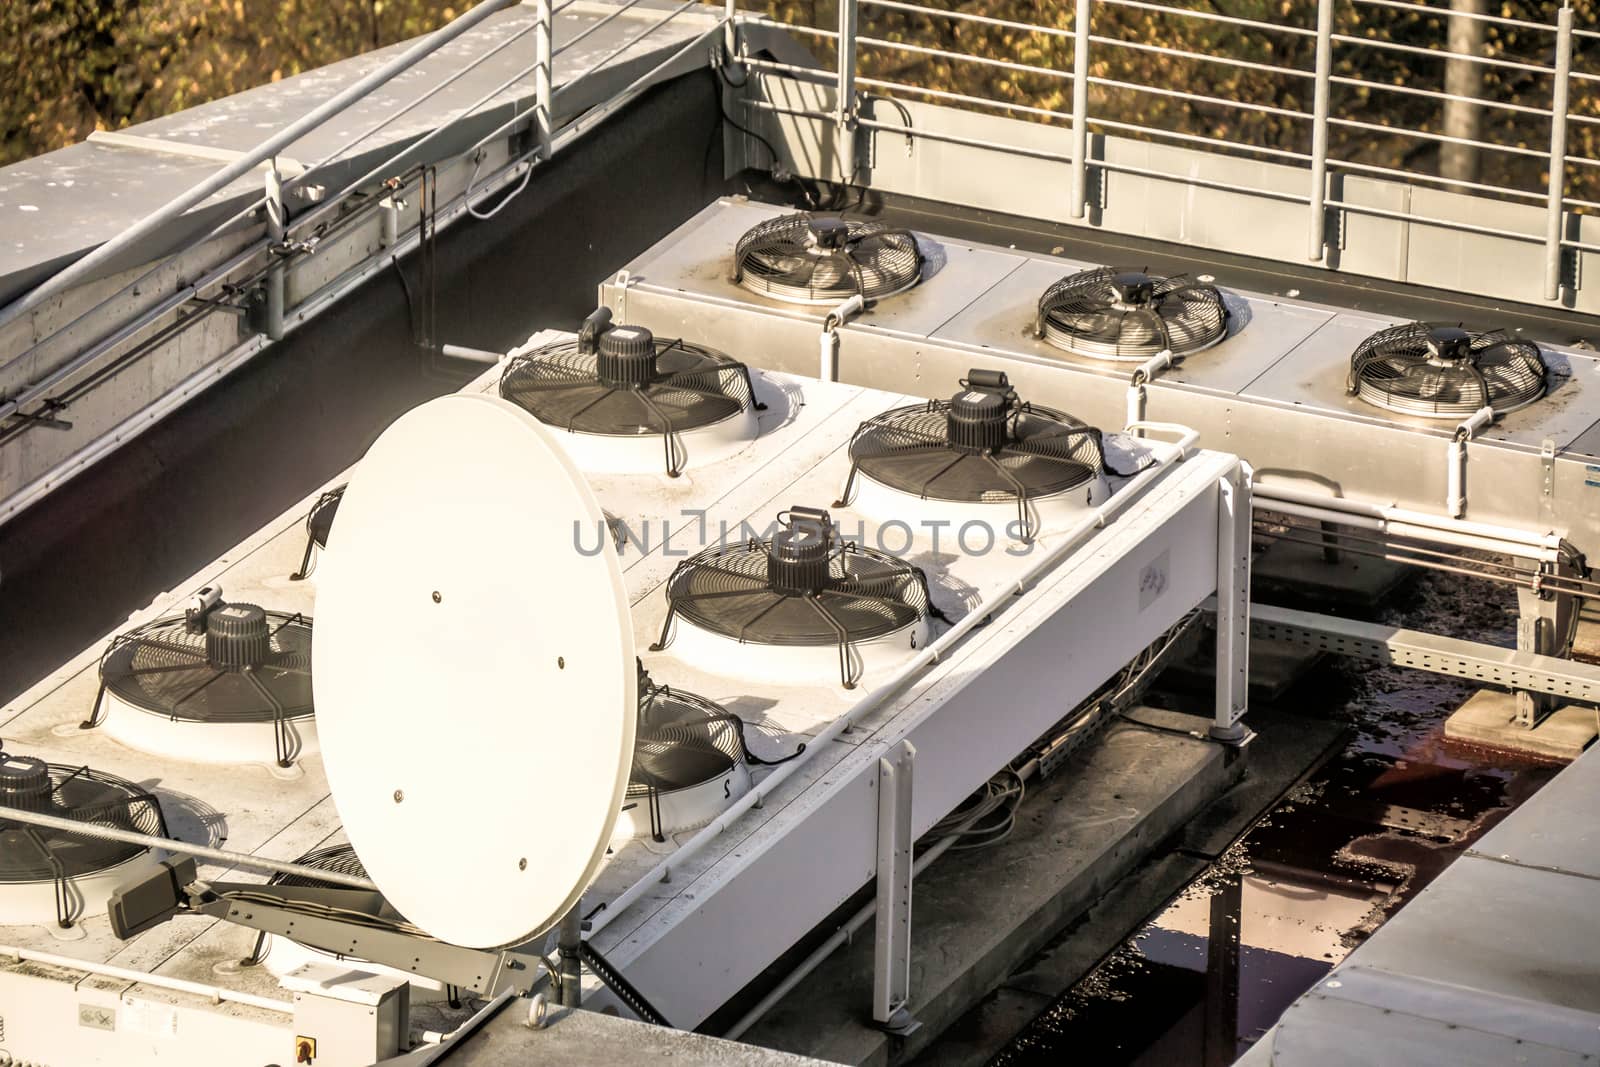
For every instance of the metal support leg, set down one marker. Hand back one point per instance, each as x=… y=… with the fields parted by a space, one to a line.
x=277 y=229
x=1555 y=213
x=1317 y=246
x=1537 y=628
x=1080 y=110
x=891 y=959
x=569 y=948
x=1233 y=608
x=845 y=103
x=543 y=30
x=1330 y=542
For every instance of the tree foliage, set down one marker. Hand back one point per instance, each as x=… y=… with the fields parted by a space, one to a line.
x=71 y=66
x=68 y=67
x=1129 y=79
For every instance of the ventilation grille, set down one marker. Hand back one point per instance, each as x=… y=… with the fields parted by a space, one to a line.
x=1043 y=452
x=1130 y=315
x=163 y=668
x=682 y=740
x=689 y=387
x=30 y=854
x=1437 y=371
x=864 y=594
x=823 y=259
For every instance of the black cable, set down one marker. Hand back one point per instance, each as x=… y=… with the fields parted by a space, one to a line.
x=727 y=117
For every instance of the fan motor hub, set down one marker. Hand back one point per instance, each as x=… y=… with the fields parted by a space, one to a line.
x=25 y=782
x=828 y=233
x=1448 y=345
x=1134 y=288
x=237 y=636
x=797 y=558
x=626 y=356
x=976 y=420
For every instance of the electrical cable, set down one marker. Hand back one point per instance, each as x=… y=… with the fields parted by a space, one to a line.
x=485 y=216
x=722 y=103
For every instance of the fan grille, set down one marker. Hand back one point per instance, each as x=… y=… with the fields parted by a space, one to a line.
x=682 y=740
x=37 y=854
x=1400 y=369
x=319 y=524
x=691 y=387
x=1128 y=315
x=163 y=668
x=335 y=859
x=868 y=594
x=783 y=258
x=1045 y=452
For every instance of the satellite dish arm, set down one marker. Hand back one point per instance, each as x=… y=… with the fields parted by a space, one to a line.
x=343 y=922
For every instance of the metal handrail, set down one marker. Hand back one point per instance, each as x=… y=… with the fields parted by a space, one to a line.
x=265 y=153
x=1316 y=109
x=967 y=16
x=1213 y=16
x=84 y=268
x=1498 y=20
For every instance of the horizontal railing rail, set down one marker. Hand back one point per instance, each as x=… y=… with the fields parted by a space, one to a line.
x=1303 y=102
x=91 y=343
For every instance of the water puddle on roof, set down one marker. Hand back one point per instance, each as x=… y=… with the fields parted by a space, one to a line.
x=1216 y=968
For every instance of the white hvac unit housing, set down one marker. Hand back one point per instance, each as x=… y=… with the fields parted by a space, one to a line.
x=753 y=587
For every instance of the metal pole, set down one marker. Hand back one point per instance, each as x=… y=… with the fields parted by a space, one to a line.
x=182 y=848
x=569 y=948
x=891 y=953
x=1080 y=109
x=730 y=30
x=135 y=235
x=1318 y=244
x=1554 y=213
x=1233 y=607
x=277 y=229
x=845 y=104
x=542 y=75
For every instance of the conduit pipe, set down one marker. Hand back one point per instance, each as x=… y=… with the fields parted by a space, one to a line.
x=1402 y=522
x=1146 y=372
x=828 y=341
x=184 y=848
x=125 y=974
x=1456 y=460
x=931 y=654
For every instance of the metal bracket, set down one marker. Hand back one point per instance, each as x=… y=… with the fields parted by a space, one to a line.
x=38 y=418
x=1233 y=608
x=1547 y=466
x=621 y=282
x=891 y=957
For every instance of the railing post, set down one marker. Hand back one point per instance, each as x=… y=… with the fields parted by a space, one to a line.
x=1554 y=210
x=140 y=234
x=1318 y=245
x=730 y=29
x=542 y=75
x=891 y=953
x=845 y=105
x=277 y=230
x=1080 y=109
x=1233 y=607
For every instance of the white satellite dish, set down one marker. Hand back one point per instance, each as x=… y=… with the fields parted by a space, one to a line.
x=474 y=673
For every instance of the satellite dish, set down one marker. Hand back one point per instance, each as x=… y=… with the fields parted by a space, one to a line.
x=474 y=673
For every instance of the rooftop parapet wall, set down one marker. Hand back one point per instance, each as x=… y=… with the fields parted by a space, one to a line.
x=94 y=365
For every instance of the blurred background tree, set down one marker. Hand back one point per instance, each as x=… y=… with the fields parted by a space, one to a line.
x=71 y=66
x=1124 y=75
x=68 y=67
